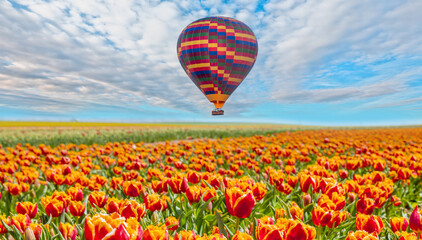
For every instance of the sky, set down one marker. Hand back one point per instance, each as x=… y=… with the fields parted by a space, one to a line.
x=320 y=62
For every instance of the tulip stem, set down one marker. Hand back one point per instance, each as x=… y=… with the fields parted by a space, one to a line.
x=319 y=230
x=237 y=225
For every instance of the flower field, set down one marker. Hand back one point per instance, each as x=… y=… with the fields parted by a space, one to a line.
x=311 y=184
x=56 y=133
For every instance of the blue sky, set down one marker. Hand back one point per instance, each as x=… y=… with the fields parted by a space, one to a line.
x=321 y=62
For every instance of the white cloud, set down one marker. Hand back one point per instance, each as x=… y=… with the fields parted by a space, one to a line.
x=308 y=36
x=124 y=52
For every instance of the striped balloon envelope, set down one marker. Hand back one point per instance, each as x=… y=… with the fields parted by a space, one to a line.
x=217 y=53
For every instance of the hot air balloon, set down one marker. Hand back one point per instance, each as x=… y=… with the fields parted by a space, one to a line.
x=217 y=53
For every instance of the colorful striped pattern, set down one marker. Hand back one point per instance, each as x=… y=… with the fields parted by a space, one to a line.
x=217 y=53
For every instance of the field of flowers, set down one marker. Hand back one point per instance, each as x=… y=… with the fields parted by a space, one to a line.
x=313 y=184
x=55 y=133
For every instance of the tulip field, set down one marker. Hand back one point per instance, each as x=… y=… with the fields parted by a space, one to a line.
x=331 y=184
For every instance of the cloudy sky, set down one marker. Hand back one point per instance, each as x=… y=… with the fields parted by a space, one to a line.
x=324 y=62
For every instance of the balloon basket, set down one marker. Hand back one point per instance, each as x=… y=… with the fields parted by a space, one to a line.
x=217 y=112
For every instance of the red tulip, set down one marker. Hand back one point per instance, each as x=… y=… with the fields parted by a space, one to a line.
x=153 y=202
x=369 y=223
x=365 y=206
x=75 y=194
x=194 y=177
x=53 y=207
x=306 y=181
x=98 y=199
x=193 y=194
x=156 y=233
x=68 y=231
x=27 y=208
x=239 y=203
x=172 y=223
x=415 y=221
x=178 y=185
x=320 y=216
x=21 y=222
x=104 y=226
x=399 y=224
x=132 y=188
x=77 y=209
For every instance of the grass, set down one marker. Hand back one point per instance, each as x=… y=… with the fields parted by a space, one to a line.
x=56 y=133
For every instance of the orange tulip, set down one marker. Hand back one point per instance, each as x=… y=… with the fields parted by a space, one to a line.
x=75 y=194
x=266 y=220
x=21 y=222
x=194 y=177
x=113 y=205
x=407 y=236
x=295 y=230
x=395 y=200
x=77 y=209
x=306 y=181
x=37 y=229
x=268 y=232
x=321 y=217
x=130 y=208
x=153 y=202
x=193 y=194
x=68 y=231
x=208 y=193
x=98 y=199
x=185 y=235
x=259 y=190
x=365 y=206
x=284 y=188
x=132 y=188
x=415 y=221
x=335 y=202
x=279 y=213
x=156 y=233
x=369 y=223
x=172 y=223
x=53 y=207
x=14 y=189
x=178 y=185
x=239 y=203
x=399 y=224
x=242 y=236
x=299 y=231
x=337 y=218
x=295 y=211
x=24 y=186
x=103 y=226
x=5 y=220
x=361 y=235
x=61 y=196
x=292 y=180
x=343 y=173
x=27 y=208
x=141 y=211
x=116 y=183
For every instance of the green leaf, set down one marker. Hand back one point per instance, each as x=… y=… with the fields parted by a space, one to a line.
x=41 y=191
x=220 y=224
x=209 y=218
x=16 y=234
